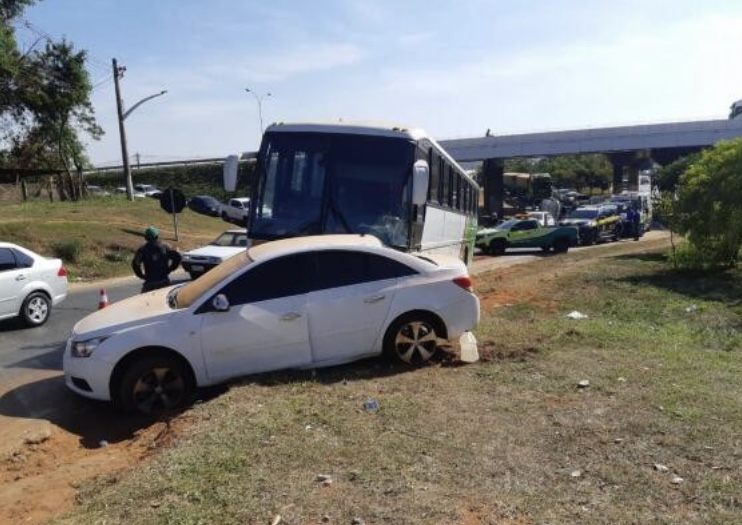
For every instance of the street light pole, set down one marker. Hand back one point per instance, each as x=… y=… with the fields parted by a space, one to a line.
x=118 y=72
x=259 y=100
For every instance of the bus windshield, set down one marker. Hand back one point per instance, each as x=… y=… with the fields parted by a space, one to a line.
x=317 y=183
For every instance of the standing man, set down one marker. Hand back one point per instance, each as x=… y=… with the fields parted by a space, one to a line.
x=154 y=261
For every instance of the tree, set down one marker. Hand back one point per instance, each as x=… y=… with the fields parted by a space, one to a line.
x=46 y=103
x=708 y=204
x=669 y=175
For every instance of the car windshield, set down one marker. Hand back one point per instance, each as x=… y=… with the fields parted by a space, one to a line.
x=508 y=224
x=583 y=213
x=184 y=296
x=230 y=239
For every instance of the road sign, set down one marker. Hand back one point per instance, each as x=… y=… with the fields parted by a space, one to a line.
x=172 y=200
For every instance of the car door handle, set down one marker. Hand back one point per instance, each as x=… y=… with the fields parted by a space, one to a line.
x=374 y=299
x=291 y=316
x=20 y=277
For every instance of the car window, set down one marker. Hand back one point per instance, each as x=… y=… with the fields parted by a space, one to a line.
x=22 y=260
x=273 y=279
x=337 y=268
x=7 y=260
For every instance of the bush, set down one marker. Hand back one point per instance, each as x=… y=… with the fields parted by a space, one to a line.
x=69 y=251
x=689 y=256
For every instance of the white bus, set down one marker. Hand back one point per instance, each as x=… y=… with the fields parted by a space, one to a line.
x=395 y=183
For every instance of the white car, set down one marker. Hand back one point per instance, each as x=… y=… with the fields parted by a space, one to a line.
x=201 y=260
x=29 y=284
x=121 y=190
x=544 y=218
x=148 y=190
x=304 y=302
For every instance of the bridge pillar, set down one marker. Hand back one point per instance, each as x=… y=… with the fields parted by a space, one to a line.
x=620 y=160
x=493 y=186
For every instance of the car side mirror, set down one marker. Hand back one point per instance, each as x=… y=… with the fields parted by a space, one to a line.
x=220 y=303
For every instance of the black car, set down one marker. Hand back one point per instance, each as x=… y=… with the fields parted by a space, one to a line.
x=205 y=205
x=595 y=223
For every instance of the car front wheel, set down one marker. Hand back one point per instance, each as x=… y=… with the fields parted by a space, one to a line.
x=36 y=309
x=412 y=339
x=153 y=385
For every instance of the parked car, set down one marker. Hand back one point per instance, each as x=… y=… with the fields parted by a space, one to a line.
x=200 y=260
x=30 y=285
x=205 y=205
x=96 y=191
x=525 y=232
x=121 y=190
x=595 y=223
x=304 y=302
x=148 y=190
x=236 y=210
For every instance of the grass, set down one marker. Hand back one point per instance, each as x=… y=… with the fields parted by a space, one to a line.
x=96 y=238
x=512 y=439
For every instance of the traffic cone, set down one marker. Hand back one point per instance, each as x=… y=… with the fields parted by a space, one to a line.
x=103 y=300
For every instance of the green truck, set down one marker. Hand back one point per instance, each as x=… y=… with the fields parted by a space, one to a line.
x=525 y=233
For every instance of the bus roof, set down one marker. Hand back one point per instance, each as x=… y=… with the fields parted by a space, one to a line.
x=378 y=129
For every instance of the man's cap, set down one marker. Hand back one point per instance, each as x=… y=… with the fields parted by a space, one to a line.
x=151 y=233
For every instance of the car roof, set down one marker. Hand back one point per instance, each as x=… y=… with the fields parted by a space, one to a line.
x=311 y=242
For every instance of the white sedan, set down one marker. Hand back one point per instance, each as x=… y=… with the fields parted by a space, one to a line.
x=29 y=284
x=306 y=302
x=200 y=260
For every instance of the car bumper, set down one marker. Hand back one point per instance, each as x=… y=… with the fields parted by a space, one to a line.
x=87 y=376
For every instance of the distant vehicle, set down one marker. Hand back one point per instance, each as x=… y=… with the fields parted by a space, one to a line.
x=30 y=285
x=523 y=190
x=96 y=191
x=308 y=302
x=595 y=223
x=205 y=205
x=121 y=190
x=525 y=233
x=393 y=182
x=544 y=218
x=200 y=260
x=148 y=190
x=735 y=110
x=236 y=210
x=640 y=201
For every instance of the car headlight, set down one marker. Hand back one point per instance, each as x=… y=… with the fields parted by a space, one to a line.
x=85 y=348
x=592 y=224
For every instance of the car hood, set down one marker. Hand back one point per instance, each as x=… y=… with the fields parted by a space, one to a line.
x=223 y=252
x=575 y=222
x=146 y=308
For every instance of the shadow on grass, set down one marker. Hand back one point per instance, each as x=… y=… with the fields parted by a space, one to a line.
x=724 y=286
x=48 y=399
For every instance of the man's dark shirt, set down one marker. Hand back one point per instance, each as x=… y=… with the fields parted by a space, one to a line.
x=158 y=260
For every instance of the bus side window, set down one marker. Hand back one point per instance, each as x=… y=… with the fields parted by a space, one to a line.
x=435 y=176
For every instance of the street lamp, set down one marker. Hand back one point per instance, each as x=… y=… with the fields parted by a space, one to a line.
x=118 y=72
x=259 y=100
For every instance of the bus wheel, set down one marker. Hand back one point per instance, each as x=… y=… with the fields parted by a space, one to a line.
x=497 y=247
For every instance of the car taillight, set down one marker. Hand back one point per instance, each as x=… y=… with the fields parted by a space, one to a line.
x=62 y=272
x=465 y=282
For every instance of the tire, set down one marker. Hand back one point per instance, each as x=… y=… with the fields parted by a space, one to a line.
x=412 y=339
x=498 y=246
x=225 y=217
x=594 y=237
x=35 y=309
x=561 y=245
x=153 y=385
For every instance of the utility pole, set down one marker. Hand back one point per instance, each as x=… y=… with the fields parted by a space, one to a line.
x=118 y=72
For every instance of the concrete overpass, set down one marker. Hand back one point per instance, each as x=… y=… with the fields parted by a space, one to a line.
x=661 y=142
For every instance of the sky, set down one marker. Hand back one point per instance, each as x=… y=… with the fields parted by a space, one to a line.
x=455 y=69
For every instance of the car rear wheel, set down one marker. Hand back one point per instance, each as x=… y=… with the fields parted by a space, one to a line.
x=412 y=338
x=36 y=309
x=561 y=245
x=154 y=385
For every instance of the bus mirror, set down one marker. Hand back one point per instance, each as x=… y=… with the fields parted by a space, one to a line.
x=230 y=173
x=420 y=182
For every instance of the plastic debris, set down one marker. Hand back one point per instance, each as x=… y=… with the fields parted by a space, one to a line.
x=468 y=345
x=576 y=315
x=371 y=405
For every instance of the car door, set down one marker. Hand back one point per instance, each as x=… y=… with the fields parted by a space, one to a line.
x=349 y=302
x=266 y=326
x=12 y=281
x=522 y=232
